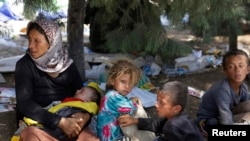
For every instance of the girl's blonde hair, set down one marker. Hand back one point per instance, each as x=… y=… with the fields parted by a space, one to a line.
x=121 y=67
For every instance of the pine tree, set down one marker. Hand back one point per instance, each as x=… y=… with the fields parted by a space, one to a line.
x=31 y=7
x=214 y=17
x=133 y=25
x=129 y=26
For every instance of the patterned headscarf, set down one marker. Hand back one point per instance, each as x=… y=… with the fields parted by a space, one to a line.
x=56 y=59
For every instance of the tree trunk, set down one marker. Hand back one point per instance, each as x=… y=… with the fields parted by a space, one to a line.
x=232 y=40
x=75 y=33
x=232 y=36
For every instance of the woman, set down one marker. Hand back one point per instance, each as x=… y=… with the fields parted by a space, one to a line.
x=45 y=74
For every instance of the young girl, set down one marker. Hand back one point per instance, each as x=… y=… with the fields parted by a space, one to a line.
x=122 y=77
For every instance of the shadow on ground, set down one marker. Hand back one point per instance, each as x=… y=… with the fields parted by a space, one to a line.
x=198 y=80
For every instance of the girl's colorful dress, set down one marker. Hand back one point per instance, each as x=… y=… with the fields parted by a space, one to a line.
x=112 y=106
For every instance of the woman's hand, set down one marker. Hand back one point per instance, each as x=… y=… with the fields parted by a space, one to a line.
x=82 y=118
x=70 y=126
x=126 y=120
x=73 y=126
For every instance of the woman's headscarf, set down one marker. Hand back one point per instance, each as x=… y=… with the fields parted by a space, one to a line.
x=56 y=59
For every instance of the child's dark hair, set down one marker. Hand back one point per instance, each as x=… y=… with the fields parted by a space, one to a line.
x=234 y=52
x=96 y=96
x=177 y=91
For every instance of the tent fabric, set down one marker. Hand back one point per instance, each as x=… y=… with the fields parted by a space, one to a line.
x=7 y=14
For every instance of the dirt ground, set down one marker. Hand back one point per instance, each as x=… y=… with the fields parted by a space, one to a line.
x=197 y=80
x=8 y=124
x=200 y=81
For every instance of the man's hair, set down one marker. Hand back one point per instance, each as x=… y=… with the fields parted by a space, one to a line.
x=177 y=91
x=234 y=52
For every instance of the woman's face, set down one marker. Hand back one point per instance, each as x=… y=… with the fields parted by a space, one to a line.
x=38 y=44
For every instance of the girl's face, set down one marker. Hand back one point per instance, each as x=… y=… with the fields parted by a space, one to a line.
x=38 y=44
x=164 y=106
x=236 y=69
x=122 y=84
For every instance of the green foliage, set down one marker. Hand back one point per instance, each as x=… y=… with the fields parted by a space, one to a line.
x=212 y=17
x=141 y=39
x=32 y=6
x=172 y=49
x=133 y=26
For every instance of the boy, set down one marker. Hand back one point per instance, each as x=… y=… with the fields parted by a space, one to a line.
x=173 y=122
x=218 y=104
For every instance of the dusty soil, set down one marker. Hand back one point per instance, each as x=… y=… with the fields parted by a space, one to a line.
x=197 y=80
x=8 y=123
x=200 y=81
